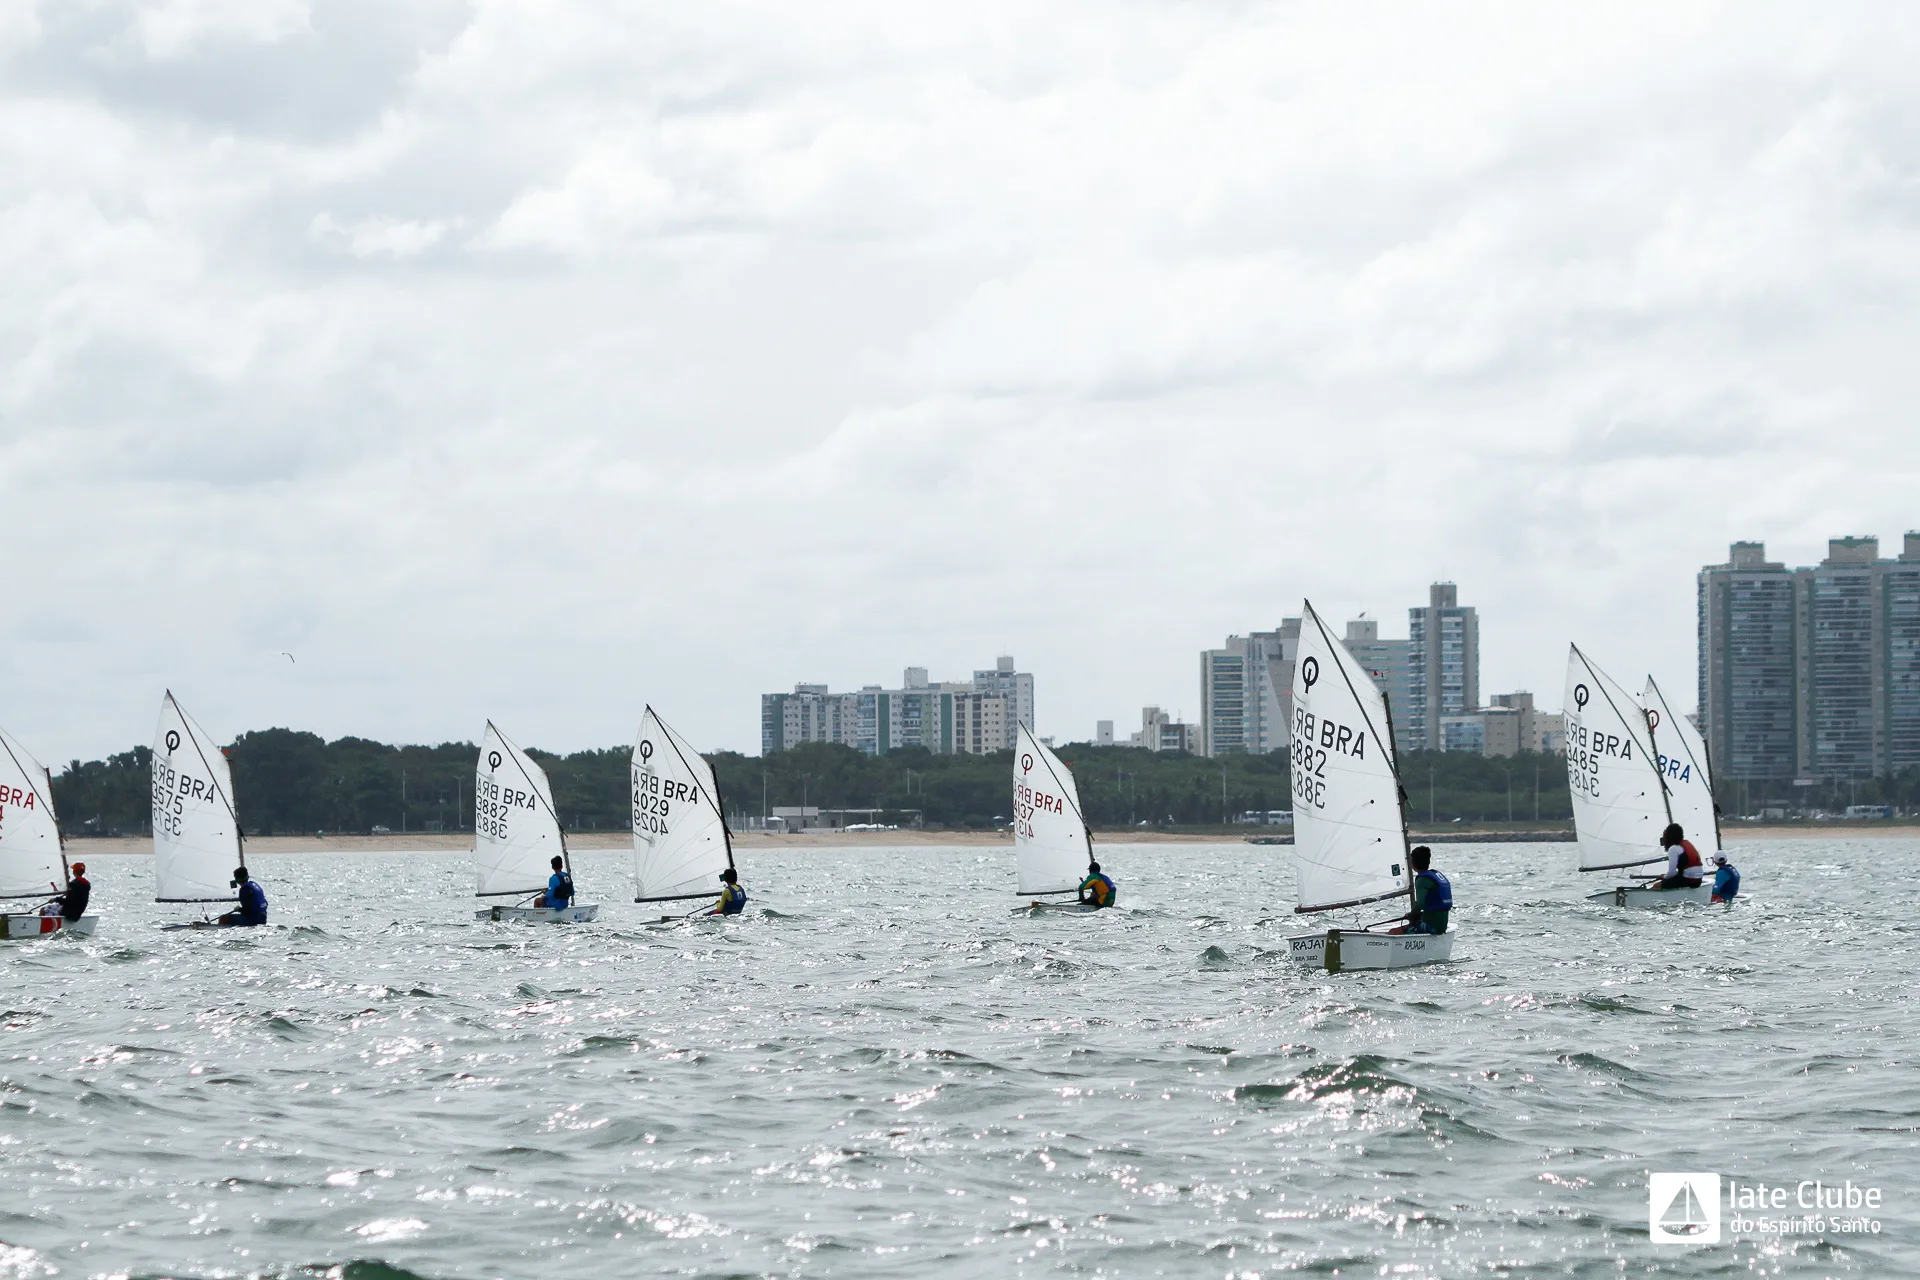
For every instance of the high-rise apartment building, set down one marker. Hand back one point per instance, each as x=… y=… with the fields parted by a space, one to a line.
x=1390 y=663
x=1444 y=667
x=1245 y=691
x=1811 y=672
x=977 y=716
x=1749 y=665
x=1015 y=686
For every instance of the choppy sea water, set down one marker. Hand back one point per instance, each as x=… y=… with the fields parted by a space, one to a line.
x=882 y=1071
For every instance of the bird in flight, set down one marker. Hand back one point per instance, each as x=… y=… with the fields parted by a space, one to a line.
x=288 y=657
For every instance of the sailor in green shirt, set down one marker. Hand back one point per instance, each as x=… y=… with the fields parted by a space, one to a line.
x=1096 y=890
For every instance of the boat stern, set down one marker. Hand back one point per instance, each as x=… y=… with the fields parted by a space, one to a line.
x=1343 y=950
x=21 y=925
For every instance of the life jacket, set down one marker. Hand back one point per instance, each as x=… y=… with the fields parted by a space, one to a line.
x=1726 y=883
x=1689 y=857
x=1100 y=890
x=253 y=903
x=1439 y=891
x=733 y=900
x=564 y=893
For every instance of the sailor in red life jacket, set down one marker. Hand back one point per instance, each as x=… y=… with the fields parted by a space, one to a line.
x=1684 y=867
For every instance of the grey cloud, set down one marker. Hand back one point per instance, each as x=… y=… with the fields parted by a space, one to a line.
x=538 y=362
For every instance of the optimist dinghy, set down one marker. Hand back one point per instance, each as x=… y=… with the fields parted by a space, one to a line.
x=1350 y=844
x=681 y=843
x=1052 y=844
x=516 y=835
x=1622 y=798
x=33 y=861
x=196 y=833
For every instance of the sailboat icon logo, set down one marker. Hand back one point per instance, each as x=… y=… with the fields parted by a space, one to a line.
x=1683 y=1208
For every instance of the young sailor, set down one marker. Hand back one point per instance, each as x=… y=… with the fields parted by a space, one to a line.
x=1097 y=889
x=1432 y=895
x=253 y=901
x=73 y=903
x=1684 y=868
x=559 y=894
x=733 y=899
x=1726 y=880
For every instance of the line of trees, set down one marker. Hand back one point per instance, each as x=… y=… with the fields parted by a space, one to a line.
x=288 y=782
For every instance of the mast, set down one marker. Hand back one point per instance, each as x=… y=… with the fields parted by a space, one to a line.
x=1399 y=787
x=1334 y=651
x=509 y=750
x=1070 y=795
x=239 y=836
x=726 y=832
x=1666 y=794
x=1581 y=696
x=66 y=872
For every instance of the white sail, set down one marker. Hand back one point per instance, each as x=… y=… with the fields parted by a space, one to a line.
x=680 y=838
x=1681 y=754
x=1051 y=846
x=30 y=861
x=196 y=834
x=516 y=834
x=1349 y=834
x=1619 y=804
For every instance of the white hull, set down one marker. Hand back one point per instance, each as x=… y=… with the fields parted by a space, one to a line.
x=39 y=926
x=540 y=915
x=1071 y=908
x=1359 y=949
x=1627 y=895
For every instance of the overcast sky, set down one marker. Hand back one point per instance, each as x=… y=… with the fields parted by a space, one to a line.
x=535 y=362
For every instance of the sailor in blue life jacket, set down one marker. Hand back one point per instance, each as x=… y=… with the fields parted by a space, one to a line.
x=1432 y=895
x=733 y=899
x=1726 y=880
x=253 y=901
x=1684 y=867
x=559 y=894
x=1097 y=889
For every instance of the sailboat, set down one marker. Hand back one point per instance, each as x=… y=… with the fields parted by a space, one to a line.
x=1621 y=802
x=1350 y=844
x=33 y=861
x=516 y=835
x=196 y=834
x=1052 y=844
x=681 y=843
x=1681 y=756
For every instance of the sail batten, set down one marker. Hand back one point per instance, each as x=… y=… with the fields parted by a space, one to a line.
x=1680 y=756
x=516 y=833
x=1052 y=847
x=1620 y=802
x=196 y=830
x=1350 y=834
x=681 y=843
x=30 y=861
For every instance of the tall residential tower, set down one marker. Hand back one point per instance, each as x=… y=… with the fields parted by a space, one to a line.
x=1811 y=672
